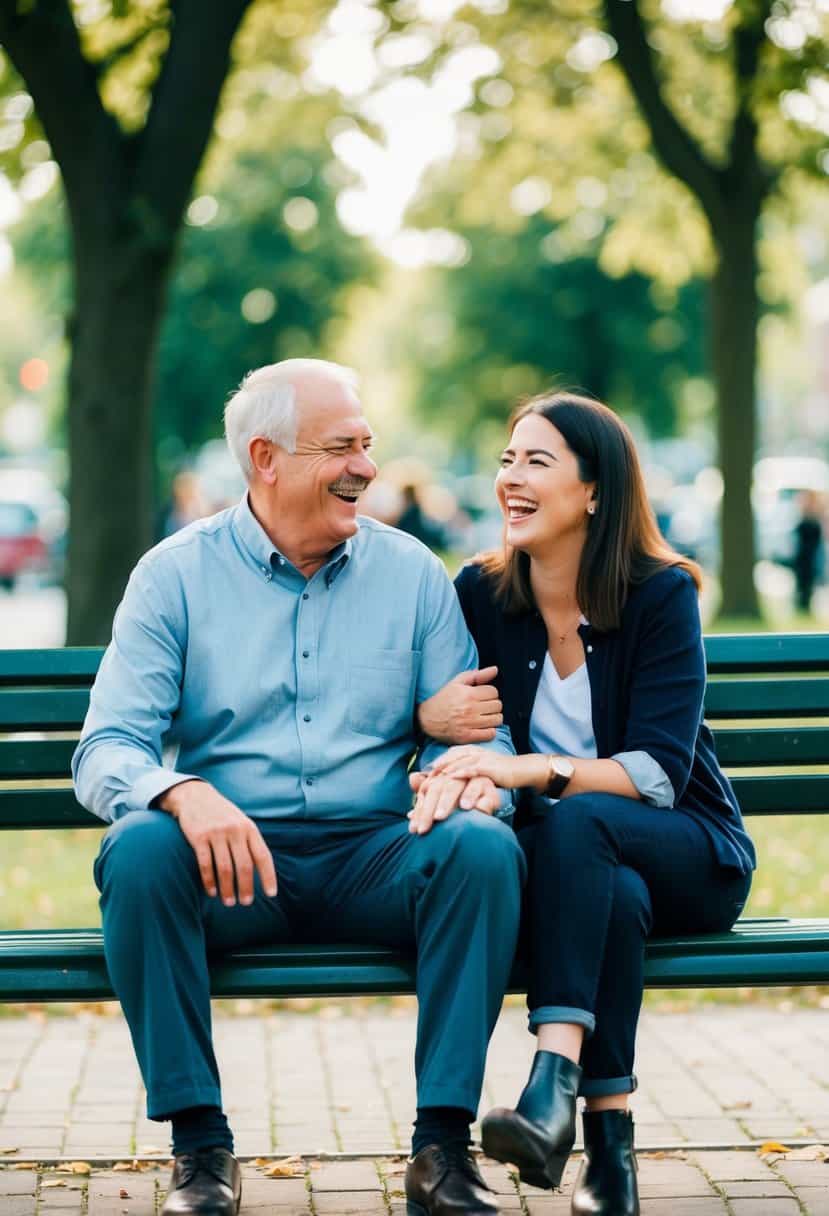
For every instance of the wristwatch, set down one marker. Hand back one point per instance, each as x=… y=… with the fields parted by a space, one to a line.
x=560 y=772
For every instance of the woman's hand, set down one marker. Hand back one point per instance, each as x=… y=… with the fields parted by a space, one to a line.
x=466 y=710
x=507 y=772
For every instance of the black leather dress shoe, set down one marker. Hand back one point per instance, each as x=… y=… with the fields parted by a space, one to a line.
x=205 y=1183
x=538 y=1135
x=443 y=1180
x=606 y=1185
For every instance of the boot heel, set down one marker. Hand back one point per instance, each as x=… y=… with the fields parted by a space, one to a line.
x=546 y=1177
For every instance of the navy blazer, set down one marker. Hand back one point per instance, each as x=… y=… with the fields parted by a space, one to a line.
x=647 y=682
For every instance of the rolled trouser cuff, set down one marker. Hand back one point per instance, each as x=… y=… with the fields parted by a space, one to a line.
x=597 y=1087
x=544 y=1015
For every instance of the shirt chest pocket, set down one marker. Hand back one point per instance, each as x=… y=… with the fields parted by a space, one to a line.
x=381 y=686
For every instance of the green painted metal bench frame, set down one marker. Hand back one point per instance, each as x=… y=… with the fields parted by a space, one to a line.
x=767 y=699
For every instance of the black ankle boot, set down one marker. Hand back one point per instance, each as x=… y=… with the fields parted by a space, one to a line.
x=606 y=1185
x=537 y=1136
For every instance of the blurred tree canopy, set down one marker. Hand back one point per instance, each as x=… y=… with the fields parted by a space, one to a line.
x=123 y=95
x=522 y=313
x=658 y=131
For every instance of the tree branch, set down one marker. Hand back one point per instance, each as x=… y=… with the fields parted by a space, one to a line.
x=43 y=44
x=744 y=167
x=184 y=101
x=675 y=146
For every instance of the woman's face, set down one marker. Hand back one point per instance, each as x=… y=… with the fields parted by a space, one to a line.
x=541 y=496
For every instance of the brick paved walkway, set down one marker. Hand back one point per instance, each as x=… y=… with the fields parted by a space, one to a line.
x=339 y=1081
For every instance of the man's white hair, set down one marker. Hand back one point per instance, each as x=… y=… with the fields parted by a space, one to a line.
x=265 y=405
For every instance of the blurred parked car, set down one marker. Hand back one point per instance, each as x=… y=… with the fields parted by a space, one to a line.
x=22 y=548
x=35 y=488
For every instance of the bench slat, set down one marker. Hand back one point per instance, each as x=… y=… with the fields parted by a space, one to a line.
x=64 y=708
x=52 y=965
x=768 y=746
x=725 y=654
x=766 y=652
x=75 y=665
x=35 y=758
x=796 y=794
x=767 y=698
x=33 y=808
x=43 y=708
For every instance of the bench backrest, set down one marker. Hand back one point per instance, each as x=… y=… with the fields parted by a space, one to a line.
x=767 y=701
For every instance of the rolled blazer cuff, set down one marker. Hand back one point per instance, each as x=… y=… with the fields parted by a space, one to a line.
x=650 y=779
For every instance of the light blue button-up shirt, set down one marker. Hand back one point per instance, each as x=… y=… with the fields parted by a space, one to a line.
x=295 y=698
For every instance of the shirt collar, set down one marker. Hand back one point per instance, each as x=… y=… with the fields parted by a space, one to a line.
x=258 y=545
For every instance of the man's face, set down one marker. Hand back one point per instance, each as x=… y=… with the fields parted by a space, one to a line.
x=317 y=487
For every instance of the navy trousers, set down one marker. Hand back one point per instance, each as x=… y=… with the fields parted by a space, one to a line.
x=453 y=896
x=605 y=872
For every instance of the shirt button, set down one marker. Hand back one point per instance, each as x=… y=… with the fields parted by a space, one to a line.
x=589 y=649
x=282 y=561
x=309 y=780
x=305 y=595
x=533 y=664
x=305 y=654
x=268 y=577
x=306 y=717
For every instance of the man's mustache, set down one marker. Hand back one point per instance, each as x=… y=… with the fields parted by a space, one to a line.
x=348 y=487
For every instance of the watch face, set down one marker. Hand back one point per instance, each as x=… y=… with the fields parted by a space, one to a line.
x=565 y=767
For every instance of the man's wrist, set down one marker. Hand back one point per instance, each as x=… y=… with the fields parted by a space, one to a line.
x=173 y=798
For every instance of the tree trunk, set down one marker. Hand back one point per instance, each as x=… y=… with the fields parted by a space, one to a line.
x=119 y=304
x=734 y=316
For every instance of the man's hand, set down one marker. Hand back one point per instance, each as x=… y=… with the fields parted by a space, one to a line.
x=466 y=710
x=438 y=797
x=227 y=843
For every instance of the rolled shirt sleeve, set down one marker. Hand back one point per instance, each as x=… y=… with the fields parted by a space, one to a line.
x=649 y=778
x=118 y=766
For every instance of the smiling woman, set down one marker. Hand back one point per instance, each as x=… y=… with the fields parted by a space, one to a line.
x=628 y=824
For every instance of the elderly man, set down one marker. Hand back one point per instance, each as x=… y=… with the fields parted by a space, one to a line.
x=282 y=647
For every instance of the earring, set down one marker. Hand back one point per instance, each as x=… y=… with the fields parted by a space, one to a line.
x=591 y=510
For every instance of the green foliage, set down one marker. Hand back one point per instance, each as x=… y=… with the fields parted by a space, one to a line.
x=522 y=314
x=274 y=251
x=275 y=233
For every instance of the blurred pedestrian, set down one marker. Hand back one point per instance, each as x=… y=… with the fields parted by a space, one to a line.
x=414 y=520
x=809 y=549
x=187 y=503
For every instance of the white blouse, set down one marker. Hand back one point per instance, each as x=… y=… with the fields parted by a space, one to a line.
x=561 y=724
x=562 y=717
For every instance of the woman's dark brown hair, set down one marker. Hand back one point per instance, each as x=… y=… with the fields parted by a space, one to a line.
x=624 y=545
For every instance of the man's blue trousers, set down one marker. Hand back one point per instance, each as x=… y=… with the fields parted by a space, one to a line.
x=452 y=896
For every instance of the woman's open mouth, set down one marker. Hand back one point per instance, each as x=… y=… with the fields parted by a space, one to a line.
x=519 y=509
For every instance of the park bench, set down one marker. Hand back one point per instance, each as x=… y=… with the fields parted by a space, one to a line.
x=767 y=700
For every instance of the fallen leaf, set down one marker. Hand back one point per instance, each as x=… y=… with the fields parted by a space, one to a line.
x=260 y=1161
x=7 y=1152
x=124 y=1194
x=134 y=1167
x=145 y=1149
x=738 y=1106
x=663 y=1154
x=75 y=1167
x=23 y=1165
x=50 y=1182
x=289 y=1167
x=771 y=1146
